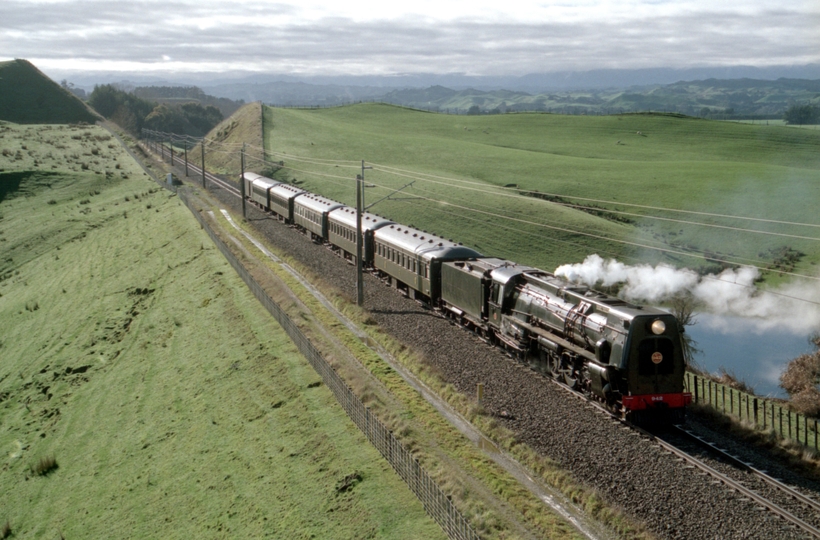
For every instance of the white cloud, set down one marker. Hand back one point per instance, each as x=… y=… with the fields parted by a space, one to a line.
x=479 y=37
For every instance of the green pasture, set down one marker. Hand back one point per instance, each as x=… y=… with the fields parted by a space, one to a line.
x=132 y=354
x=665 y=161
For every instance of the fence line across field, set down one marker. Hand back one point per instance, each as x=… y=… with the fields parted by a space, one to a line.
x=437 y=504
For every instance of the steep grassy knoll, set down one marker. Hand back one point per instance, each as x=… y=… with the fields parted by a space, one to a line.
x=244 y=126
x=653 y=160
x=28 y=96
x=171 y=403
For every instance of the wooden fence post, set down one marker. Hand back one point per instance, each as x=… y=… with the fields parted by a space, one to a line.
x=755 y=409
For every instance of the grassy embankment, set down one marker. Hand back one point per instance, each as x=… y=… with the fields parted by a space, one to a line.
x=243 y=126
x=172 y=404
x=653 y=160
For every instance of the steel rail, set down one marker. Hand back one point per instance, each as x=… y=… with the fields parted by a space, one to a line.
x=684 y=456
x=211 y=177
x=808 y=501
x=732 y=484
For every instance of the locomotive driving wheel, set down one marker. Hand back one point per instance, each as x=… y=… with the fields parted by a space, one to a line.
x=554 y=364
x=561 y=368
x=569 y=379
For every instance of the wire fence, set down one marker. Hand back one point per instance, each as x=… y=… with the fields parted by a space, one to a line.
x=437 y=504
x=763 y=413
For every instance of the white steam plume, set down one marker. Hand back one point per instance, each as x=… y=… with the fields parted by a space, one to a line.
x=795 y=306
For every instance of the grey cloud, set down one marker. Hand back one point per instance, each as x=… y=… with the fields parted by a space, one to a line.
x=141 y=32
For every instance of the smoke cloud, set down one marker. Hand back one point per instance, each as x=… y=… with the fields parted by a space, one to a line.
x=794 y=307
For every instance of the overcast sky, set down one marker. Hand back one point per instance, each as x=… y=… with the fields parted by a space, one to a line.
x=477 y=37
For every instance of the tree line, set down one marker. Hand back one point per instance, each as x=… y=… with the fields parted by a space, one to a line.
x=133 y=113
x=802 y=115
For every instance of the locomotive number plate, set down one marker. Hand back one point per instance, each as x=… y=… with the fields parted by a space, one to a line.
x=657 y=358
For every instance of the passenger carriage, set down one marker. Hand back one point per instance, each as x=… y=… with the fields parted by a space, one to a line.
x=311 y=213
x=260 y=191
x=247 y=178
x=412 y=259
x=281 y=197
x=342 y=232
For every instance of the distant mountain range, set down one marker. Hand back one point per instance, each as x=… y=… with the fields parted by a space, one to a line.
x=726 y=91
x=532 y=83
x=710 y=97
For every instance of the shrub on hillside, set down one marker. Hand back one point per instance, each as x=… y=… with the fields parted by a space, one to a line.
x=801 y=379
x=133 y=113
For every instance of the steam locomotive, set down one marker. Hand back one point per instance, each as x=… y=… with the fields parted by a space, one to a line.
x=627 y=356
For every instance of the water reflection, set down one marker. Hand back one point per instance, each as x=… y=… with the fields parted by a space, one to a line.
x=738 y=345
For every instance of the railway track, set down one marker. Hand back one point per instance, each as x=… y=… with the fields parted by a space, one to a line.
x=793 y=507
x=778 y=498
x=233 y=190
x=743 y=477
x=737 y=474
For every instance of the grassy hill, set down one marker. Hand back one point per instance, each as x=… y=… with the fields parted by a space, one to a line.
x=244 y=126
x=28 y=96
x=653 y=160
x=160 y=398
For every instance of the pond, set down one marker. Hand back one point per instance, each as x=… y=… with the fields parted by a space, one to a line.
x=752 y=355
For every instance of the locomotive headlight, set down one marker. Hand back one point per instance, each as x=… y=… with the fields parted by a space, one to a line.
x=658 y=327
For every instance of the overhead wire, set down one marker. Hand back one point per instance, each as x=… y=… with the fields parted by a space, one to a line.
x=517 y=196
x=735 y=260
x=741 y=260
x=708 y=277
x=598 y=236
x=602 y=201
x=310 y=172
x=420 y=176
